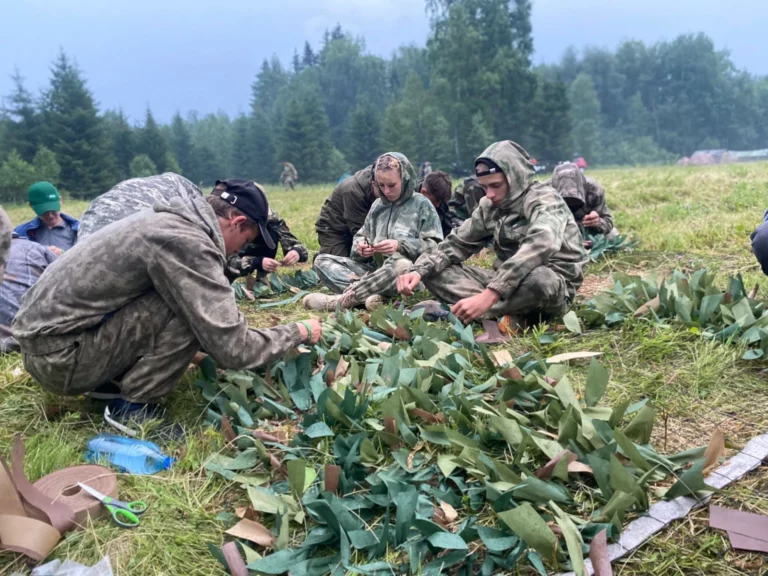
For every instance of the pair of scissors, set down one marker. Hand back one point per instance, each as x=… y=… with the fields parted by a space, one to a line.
x=124 y=514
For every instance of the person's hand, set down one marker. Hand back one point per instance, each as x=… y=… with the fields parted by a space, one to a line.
x=317 y=331
x=591 y=220
x=406 y=283
x=291 y=258
x=56 y=250
x=364 y=249
x=386 y=247
x=270 y=265
x=475 y=306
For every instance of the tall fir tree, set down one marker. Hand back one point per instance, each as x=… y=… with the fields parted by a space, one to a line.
x=23 y=127
x=262 y=147
x=585 y=117
x=153 y=143
x=551 y=139
x=46 y=166
x=306 y=139
x=181 y=144
x=309 y=58
x=242 y=161
x=364 y=134
x=123 y=138
x=73 y=129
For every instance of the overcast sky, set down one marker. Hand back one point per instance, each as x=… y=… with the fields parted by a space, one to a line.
x=202 y=55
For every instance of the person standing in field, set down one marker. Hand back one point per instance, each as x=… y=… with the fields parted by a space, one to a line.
x=400 y=226
x=427 y=169
x=289 y=176
x=129 y=306
x=51 y=227
x=538 y=246
x=344 y=212
x=586 y=199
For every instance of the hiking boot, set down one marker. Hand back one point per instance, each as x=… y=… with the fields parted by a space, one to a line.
x=373 y=302
x=318 y=301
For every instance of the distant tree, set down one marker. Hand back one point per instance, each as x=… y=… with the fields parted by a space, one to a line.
x=171 y=164
x=364 y=134
x=263 y=147
x=46 y=166
x=142 y=166
x=306 y=139
x=16 y=176
x=309 y=58
x=296 y=63
x=153 y=143
x=73 y=129
x=243 y=154
x=23 y=127
x=551 y=139
x=123 y=138
x=585 y=117
x=181 y=143
x=480 y=136
x=397 y=132
x=207 y=168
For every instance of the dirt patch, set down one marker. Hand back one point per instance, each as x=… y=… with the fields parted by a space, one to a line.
x=592 y=285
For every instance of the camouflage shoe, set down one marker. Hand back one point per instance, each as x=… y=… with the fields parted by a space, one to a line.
x=373 y=302
x=330 y=302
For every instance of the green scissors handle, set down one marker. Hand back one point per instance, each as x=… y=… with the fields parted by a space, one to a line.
x=124 y=514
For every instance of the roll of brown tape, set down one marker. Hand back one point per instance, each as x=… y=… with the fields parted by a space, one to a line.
x=61 y=486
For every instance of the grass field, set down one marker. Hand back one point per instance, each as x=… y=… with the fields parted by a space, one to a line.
x=683 y=217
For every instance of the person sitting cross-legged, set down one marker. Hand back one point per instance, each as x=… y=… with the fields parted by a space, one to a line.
x=51 y=228
x=399 y=228
x=539 y=252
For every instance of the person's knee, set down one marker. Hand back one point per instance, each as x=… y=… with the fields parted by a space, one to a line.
x=545 y=284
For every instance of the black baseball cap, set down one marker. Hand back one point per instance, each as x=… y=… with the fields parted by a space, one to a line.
x=249 y=198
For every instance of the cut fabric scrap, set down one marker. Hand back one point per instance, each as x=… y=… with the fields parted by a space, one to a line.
x=492 y=334
x=747 y=531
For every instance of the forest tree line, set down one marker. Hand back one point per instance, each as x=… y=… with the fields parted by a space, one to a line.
x=334 y=107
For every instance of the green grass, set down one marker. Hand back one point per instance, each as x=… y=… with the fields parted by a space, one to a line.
x=683 y=217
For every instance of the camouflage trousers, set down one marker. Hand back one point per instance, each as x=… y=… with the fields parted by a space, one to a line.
x=340 y=274
x=289 y=182
x=5 y=241
x=542 y=293
x=143 y=348
x=336 y=243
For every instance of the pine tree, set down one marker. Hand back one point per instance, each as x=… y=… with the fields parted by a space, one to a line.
x=297 y=64
x=73 y=129
x=142 y=166
x=123 y=138
x=46 y=166
x=292 y=136
x=207 y=168
x=551 y=134
x=16 y=176
x=263 y=148
x=153 y=143
x=306 y=139
x=585 y=117
x=243 y=155
x=309 y=58
x=22 y=130
x=397 y=132
x=480 y=136
x=181 y=143
x=364 y=133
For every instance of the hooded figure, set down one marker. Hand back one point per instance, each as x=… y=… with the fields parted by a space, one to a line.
x=538 y=247
x=400 y=227
x=586 y=199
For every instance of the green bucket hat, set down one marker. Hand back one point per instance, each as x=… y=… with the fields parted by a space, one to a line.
x=43 y=197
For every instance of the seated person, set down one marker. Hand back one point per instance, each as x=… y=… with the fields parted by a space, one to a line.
x=464 y=200
x=436 y=187
x=399 y=228
x=586 y=199
x=344 y=212
x=129 y=306
x=51 y=227
x=539 y=252
x=27 y=260
x=134 y=195
x=759 y=240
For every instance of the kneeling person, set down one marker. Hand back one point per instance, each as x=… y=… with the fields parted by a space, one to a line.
x=134 y=302
x=400 y=227
x=539 y=252
x=585 y=198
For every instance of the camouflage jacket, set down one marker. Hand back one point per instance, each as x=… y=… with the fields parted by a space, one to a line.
x=411 y=219
x=177 y=251
x=464 y=200
x=583 y=195
x=132 y=196
x=250 y=258
x=531 y=227
x=344 y=211
x=289 y=171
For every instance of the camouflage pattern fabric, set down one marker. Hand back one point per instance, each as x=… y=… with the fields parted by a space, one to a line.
x=132 y=196
x=583 y=196
x=530 y=228
x=464 y=200
x=289 y=175
x=344 y=213
x=411 y=220
x=134 y=301
x=6 y=228
x=249 y=259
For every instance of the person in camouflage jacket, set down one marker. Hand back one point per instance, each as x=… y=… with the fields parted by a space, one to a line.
x=464 y=200
x=400 y=227
x=586 y=199
x=539 y=252
x=344 y=212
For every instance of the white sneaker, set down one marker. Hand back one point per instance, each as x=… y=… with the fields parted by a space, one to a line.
x=321 y=301
x=373 y=302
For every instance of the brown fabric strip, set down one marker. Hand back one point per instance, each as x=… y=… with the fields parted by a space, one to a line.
x=235 y=562
x=61 y=516
x=28 y=536
x=598 y=554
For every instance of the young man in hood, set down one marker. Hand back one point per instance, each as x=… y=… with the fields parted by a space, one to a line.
x=585 y=198
x=51 y=227
x=131 y=304
x=539 y=252
x=400 y=226
x=344 y=212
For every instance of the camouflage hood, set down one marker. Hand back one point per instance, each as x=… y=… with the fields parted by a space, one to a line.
x=408 y=179
x=198 y=213
x=517 y=166
x=568 y=180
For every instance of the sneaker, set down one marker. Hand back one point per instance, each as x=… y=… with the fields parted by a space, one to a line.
x=318 y=301
x=373 y=302
x=149 y=418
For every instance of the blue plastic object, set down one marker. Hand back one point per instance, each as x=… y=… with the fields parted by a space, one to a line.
x=128 y=454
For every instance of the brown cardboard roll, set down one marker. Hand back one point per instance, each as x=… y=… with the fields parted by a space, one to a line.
x=61 y=486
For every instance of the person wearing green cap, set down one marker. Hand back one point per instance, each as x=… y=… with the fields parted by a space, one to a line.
x=51 y=227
